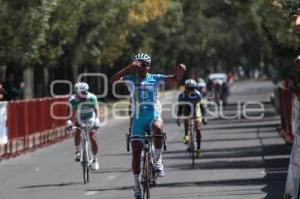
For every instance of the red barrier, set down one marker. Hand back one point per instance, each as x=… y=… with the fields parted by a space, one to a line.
x=39 y=114
x=285 y=97
x=31 y=124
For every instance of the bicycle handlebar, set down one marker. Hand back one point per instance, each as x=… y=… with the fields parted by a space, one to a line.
x=188 y=117
x=149 y=136
x=72 y=128
x=163 y=136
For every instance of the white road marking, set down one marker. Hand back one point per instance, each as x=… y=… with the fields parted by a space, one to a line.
x=90 y=193
x=112 y=177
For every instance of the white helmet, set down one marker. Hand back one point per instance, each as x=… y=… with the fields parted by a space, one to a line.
x=190 y=83
x=81 y=87
x=143 y=58
x=201 y=83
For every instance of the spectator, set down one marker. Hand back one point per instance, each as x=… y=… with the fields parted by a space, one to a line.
x=11 y=90
x=1 y=92
x=230 y=78
x=297 y=79
x=297 y=62
x=296 y=20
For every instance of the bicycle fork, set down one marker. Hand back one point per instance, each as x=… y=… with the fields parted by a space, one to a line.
x=85 y=156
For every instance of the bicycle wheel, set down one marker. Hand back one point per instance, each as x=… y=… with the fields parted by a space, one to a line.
x=152 y=173
x=146 y=177
x=192 y=146
x=85 y=164
x=85 y=170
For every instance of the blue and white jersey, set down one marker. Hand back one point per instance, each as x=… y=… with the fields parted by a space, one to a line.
x=144 y=93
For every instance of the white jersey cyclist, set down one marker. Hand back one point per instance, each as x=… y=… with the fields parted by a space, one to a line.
x=85 y=105
x=85 y=112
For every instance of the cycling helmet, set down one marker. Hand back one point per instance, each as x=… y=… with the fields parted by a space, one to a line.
x=190 y=83
x=145 y=58
x=81 y=87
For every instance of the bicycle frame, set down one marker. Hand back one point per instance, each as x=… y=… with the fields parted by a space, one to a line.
x=148 y=175
x=148 y=167
x=192 y=141
x=191 y=144
x=128 y=137
x=85 y=158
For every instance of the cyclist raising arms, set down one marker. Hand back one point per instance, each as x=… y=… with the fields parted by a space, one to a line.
x=193 y=96
x=85 y=105
x=146 y=116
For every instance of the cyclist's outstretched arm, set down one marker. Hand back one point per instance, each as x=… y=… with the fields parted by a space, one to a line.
x=180 y=68
x=124 y=71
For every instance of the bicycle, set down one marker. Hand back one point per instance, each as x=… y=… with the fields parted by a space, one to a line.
x=192 y=140
x=148 y=175
x=85 y=158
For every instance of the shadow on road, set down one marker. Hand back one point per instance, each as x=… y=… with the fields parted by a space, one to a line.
x=113 y=170
x=111 y=189
x=234 y=152
x=223 y=140
x=213 y=183
x=272 y=158
x=51 y=185
x=273 y=183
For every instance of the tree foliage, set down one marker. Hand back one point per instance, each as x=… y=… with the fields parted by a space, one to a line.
x=102 y=35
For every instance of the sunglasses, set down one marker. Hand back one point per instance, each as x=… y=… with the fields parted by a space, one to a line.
x=144 y=64
x=84 y=93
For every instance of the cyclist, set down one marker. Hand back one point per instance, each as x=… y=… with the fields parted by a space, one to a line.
x=192 y=105
x=145 y=113
x=85 y=105
x=201 y=87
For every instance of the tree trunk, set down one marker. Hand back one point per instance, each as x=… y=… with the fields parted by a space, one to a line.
x=28 y=78
x=46 y=81
x=2 y=73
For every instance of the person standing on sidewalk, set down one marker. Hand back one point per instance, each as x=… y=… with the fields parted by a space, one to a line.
x=11 y=91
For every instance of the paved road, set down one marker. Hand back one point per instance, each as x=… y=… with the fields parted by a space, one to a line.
x=243 y=158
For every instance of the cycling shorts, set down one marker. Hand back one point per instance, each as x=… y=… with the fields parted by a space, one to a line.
x=89 y=122
x=142 y=124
